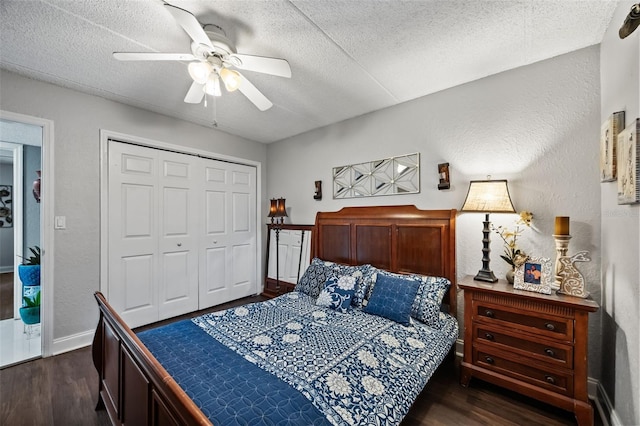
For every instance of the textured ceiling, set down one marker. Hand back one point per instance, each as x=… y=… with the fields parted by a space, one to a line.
x=348 y=58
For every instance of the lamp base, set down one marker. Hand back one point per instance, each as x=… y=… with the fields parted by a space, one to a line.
x=485 y=275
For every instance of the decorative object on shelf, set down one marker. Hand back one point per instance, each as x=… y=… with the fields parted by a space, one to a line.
x=6 y=206
x=608 y=143
x=443 y=172
x=318 y=194
x=512 y=254
x=572 y=280
x=562 y=238
x=487 y=196
x=631 y=22
x=534 y=275
x=628 y=153
x=390 y=176
x=30 y=310
x=36 y=187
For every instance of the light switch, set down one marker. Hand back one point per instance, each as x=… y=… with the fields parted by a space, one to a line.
x=60 y=222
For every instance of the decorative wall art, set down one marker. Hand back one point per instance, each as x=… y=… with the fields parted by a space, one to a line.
x=628 y=153
x=534 y=274
x=608 y=135
x=390 y=176
x=6 y=206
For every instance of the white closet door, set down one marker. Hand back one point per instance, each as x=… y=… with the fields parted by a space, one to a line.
x=228 y=247
x=179 y=236
x=133 y=233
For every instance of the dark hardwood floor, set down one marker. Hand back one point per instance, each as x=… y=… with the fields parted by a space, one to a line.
x=62 y=390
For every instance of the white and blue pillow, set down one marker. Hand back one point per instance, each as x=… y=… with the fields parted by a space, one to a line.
x=319 y=271
x=338 y=293
x=392 y=298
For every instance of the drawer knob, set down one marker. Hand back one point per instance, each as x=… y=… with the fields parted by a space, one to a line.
x=489 y=360
x=550 y=379
x=550 y=326
x=550 y=352
x=488 y=336
x=489 y=313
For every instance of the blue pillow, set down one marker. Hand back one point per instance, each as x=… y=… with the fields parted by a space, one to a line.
x=431 y=290
x=393 y=298
x=337 y=293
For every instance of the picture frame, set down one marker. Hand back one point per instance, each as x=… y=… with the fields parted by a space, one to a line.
x=608 y=146
x=535 y=274
x=628 y=164
x=6 y=206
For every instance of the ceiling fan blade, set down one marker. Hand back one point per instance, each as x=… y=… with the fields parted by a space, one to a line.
x=253 y=94
x=152 y=56
x=263 y=64
x=195 y=93
x=190 y=24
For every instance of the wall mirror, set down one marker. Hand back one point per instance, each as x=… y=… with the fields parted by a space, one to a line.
x=288 y=255
x=390 y=176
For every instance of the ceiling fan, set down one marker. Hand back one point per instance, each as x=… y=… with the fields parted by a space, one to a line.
x=212 y=57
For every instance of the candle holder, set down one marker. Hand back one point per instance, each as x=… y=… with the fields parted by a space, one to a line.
x=562 y=246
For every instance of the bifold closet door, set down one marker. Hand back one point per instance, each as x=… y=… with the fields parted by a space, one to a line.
x=153 y=233
x=228 y=250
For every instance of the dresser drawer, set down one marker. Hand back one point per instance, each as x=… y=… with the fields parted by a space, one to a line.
x=546 y=325
x=551 y=352
x=560 y=381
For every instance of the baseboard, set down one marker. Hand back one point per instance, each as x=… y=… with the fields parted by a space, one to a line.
x=73 y=342
x=603 y=404
x=5 y=269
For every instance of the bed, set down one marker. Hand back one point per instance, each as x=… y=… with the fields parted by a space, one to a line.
x=330 y=352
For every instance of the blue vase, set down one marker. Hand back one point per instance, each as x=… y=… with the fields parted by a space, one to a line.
x=30 y=314
x=29 y=274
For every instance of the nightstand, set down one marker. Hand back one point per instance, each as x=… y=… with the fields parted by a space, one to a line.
x=531 y=343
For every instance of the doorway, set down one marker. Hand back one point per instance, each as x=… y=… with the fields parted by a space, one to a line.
x=21 y=218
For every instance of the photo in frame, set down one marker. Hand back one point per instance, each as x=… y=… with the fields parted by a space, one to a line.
x=628 y=164
x=608 y=145
x=535 y=274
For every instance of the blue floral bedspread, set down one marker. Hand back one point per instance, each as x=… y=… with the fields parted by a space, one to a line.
x=356 y=368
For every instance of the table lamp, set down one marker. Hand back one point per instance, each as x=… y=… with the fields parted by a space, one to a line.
x=487 y=196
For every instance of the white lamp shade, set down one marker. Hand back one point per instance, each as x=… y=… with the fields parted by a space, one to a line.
x=200 y=71
x=488 y=196
x=230 y=78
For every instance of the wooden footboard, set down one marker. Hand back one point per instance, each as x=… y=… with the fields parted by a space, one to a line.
x=134 y=388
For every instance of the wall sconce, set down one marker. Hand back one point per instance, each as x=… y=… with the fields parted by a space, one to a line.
x=443 y=172
x=487 y=196
x=318 y=194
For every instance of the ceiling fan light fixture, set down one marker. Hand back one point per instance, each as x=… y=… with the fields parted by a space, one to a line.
x=230 y=78
x=200 y=71
x=212 y=86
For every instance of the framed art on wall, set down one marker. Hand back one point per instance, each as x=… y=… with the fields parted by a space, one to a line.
x=628 y=162
x=608 y=135
x=534 y=275
x=6 y=206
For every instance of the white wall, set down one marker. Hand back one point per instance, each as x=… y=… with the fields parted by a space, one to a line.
x=536 y=126
x=78 y=119
x=620 y=82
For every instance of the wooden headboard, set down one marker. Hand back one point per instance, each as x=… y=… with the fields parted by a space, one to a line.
x=400 y=239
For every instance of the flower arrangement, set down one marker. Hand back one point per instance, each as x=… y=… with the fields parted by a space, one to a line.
x=512 y=254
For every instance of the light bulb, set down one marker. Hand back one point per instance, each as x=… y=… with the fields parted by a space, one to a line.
x=200 y=71
x=231 y=79
x=212 y=86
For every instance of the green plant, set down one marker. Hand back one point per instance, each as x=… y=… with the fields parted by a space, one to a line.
x=34 y=259
x=512 y=254
x=32 y=302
